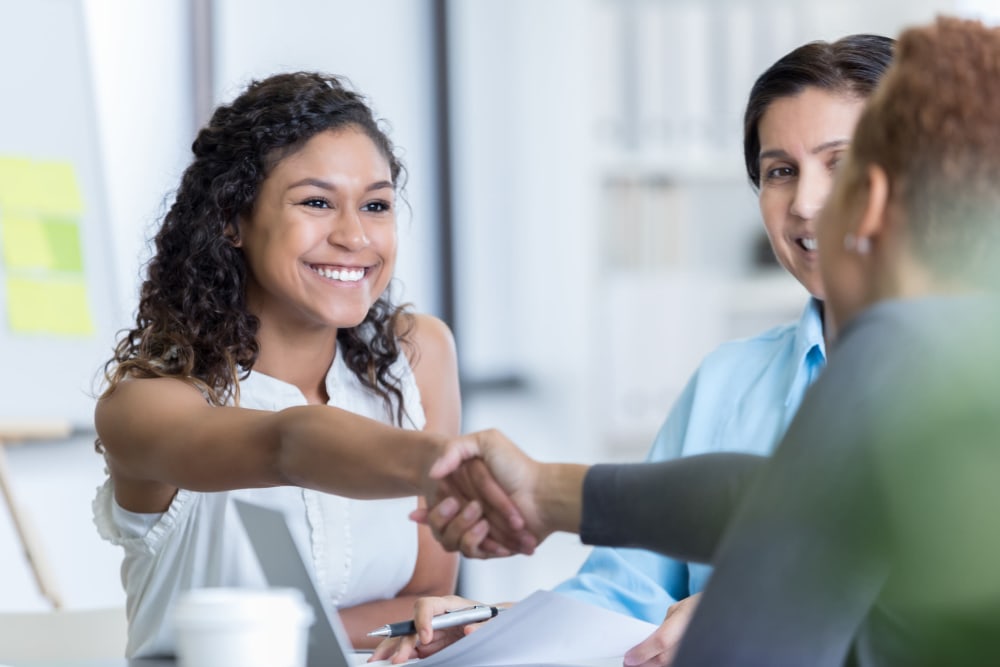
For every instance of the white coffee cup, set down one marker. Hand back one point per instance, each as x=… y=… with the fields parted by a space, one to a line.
x=242 y=627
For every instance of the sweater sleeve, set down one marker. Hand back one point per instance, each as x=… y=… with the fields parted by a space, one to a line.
x=648 y=505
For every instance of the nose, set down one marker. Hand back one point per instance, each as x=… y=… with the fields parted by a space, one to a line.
x=811 y=191
x=348 y=231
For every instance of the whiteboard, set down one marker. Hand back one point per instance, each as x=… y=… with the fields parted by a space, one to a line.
x=57 y=297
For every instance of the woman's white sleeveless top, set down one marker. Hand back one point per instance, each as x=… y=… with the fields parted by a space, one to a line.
x=362 y=550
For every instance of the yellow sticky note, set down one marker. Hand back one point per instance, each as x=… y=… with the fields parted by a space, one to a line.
x=39 y=186
x=58 y=307
x=25 y=245
x=54 y=188
x=15 y=173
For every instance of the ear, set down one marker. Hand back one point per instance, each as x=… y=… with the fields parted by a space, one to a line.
x=875 y=205
x=232 y=232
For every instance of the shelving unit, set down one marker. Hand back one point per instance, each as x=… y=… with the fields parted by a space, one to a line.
x=678 y=221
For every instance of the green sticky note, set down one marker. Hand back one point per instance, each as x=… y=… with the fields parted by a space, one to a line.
x=63 y=238
x=59 y=307
x=50 y=244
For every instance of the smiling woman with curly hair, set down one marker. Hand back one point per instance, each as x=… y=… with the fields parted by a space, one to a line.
x=268 y=362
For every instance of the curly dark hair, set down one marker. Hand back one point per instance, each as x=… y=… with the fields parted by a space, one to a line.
x=934 y=126
x=192 y=322
x=852 y=65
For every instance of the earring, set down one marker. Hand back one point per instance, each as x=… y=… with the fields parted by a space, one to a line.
x=861 y=245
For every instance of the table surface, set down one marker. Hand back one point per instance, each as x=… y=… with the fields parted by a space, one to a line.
x=121 y=662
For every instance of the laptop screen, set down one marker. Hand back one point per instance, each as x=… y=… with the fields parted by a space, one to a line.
x=283 y=565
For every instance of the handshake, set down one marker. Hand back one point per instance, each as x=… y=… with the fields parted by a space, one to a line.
x=487 y=498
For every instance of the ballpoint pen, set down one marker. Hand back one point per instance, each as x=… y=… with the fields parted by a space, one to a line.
x=448 y=619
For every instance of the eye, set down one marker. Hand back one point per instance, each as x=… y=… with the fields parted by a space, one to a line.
x=835 y=161
x=377 y=206
x=779 y=174
x=315 y=202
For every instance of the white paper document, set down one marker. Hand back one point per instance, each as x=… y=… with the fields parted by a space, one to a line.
x=546 y=628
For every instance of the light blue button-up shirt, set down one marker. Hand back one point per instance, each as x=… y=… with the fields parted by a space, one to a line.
x=741 y=399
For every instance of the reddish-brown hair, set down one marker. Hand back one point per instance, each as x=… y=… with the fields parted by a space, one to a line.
x=934 y=126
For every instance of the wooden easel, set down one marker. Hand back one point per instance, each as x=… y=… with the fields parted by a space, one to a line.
x=10 y=433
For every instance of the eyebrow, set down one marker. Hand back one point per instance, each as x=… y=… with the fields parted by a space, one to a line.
x=825 y=146
x=326 y=185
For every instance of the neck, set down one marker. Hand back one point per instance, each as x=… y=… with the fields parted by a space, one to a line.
x=908 y=278
x=301 y=359
x=829 y=324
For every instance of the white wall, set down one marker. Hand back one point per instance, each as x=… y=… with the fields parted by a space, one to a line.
x=141 y=73
x=54 y=484
x=140 y=77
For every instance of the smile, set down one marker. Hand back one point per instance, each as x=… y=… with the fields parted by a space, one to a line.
x=344 y=275
x=808 y=244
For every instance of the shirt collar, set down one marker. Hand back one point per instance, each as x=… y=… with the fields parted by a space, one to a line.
x=809 y=333
x=810 y=351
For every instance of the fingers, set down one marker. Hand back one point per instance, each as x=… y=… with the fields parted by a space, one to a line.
x=459 y=534
x=465 y=529
x=491 y=492
x=426 y=641
x=457 y=450
x=395 y=649
x=498 y=507
x=473 y=481
x=472 y=627
x=654 y=651
x=448 y=636
x=660 y=647
x=508 y=533
x=442 y=639
x=426 y=608
x=461 y=527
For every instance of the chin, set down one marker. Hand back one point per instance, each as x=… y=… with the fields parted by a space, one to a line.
x=347 y=316
x=347 y=322
x=816 y=292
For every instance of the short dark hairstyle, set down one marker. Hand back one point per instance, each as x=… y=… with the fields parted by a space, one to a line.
x=852 y=65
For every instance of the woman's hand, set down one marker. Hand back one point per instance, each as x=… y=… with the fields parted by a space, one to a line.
x=659 y=648
x=479 y=528
x=427 y=641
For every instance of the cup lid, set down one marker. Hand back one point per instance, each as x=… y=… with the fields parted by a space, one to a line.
x=203 y=606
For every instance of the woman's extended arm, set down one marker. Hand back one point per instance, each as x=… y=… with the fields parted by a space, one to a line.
x=160 y=435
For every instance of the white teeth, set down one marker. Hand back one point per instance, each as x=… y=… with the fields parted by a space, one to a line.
x=343 y=275
x=809 y=244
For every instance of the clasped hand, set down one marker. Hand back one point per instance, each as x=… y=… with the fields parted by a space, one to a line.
x=485 y=500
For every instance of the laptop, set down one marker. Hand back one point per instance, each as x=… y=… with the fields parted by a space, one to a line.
x=283 y=565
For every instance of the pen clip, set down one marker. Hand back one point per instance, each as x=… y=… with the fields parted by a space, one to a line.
x=475 y=606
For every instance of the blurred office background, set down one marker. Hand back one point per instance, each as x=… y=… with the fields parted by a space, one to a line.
x=578 y=209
